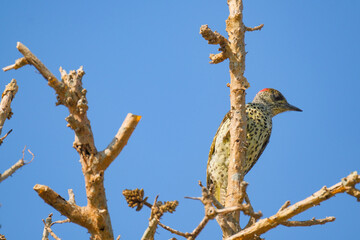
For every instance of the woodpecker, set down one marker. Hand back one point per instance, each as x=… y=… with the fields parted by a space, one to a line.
x=266 y=104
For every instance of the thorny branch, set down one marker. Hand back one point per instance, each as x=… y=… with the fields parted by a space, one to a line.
x=70 y=93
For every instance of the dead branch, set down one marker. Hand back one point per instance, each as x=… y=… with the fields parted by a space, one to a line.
x=284 y=206
x=288 y=212
x=233 y=48
x=257 y=28
x=7 y=96
x=49 y=230
x=3 y=138
x=7 y=173
x=153 y=221
x=308 y=223
x=47 y=222
x=47 y=227
x=75 y=213
x=18 y=64
x=186 y=234
x=157 y=211
x=215 y=38
x=60 y=222
x=354 y=192
x=71 y=196
x=238 y=84
x=120 y=140
x=208 y=201
x=135 y=199
x=70 y=93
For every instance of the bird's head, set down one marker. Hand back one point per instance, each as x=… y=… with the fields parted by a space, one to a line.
x=273 y=99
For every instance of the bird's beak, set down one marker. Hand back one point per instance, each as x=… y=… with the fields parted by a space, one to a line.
x=293 y=108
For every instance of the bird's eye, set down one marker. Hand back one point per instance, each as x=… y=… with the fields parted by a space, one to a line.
x=278 y=97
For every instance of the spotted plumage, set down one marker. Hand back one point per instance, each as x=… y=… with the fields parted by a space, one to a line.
x=266 y=104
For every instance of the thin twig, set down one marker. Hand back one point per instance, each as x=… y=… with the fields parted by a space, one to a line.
x=18 y=64
x=249 y=29
x=194 y=198
x=48 y=229
x=186 y=235
x=71 y=196
x=308 y=223
x=3 y=138
x=285 y=205
x=216 y=38
x=60 y=222
x=7 y=173
x=47 y=222
x=199 y=228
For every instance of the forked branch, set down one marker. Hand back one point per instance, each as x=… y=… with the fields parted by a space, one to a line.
x=70 y=93
x=288 y=211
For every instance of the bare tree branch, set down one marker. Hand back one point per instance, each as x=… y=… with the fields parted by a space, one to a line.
x=7 y=96
x=186 y=235
x=153 y=222
x=120 y=140
x=7 y=173
x=284 y=214
x=216 y=38
x=70 y=93
x=3 y=138
x=71 y=196
x=238 y=84
x=47 y=227
x=60 y=222
x=257 y=28
x=284 y=206
x=75 y=213
x=18 y=64
x=233 y=49
x=354 y=192
x=47 y=222
x=48 y=230
x=308 y=223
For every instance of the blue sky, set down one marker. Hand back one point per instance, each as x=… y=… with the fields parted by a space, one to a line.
x=147 y=58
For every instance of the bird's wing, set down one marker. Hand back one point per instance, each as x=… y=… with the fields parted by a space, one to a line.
x=212 y=150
